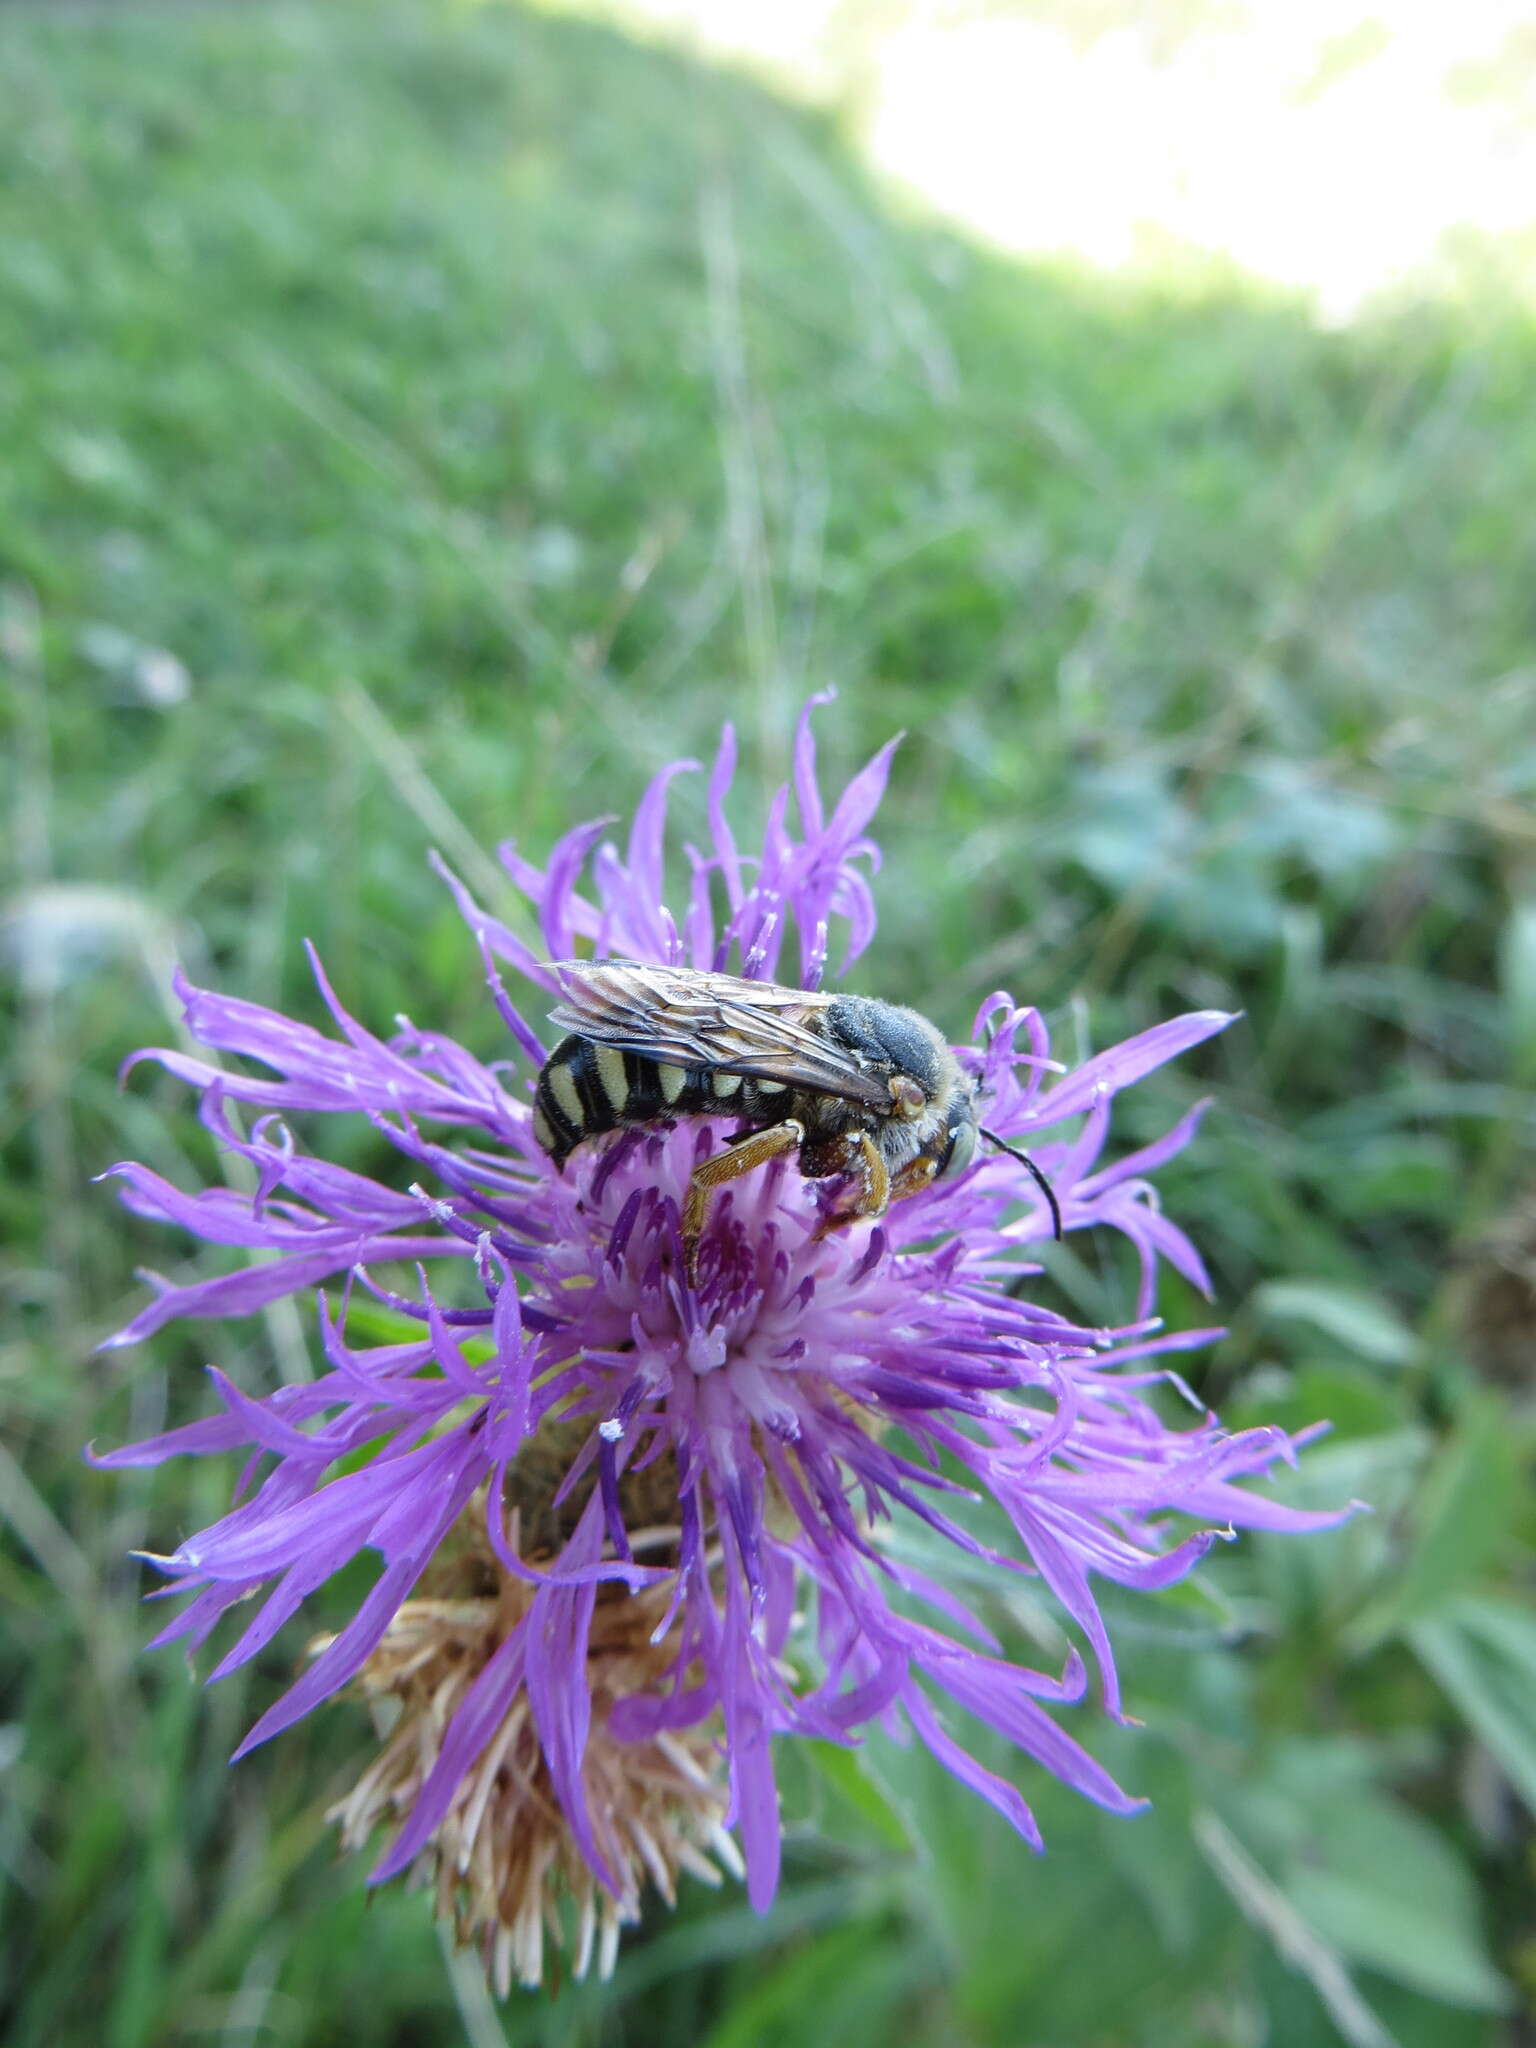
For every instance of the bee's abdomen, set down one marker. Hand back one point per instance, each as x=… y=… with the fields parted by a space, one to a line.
x=586 y=1089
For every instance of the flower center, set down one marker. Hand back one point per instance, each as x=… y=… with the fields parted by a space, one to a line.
x=704 y=1350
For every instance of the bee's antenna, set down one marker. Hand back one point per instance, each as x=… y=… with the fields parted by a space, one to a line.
x=1036 y=1175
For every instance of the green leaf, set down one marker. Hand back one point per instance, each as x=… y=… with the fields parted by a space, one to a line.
x=850 y=1978
x=370 y=1322
x=1482 y=1651
x=1156 y=1853
x=1362 y=1322
x=1396 y=1173
x=1461 y=1515
x=850 y=1773
x=1385 y=1889
x=1356 y=1405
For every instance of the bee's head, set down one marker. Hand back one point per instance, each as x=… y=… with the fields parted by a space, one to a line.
x=898 y=1042
x=961 y=1134
x=955 y=1147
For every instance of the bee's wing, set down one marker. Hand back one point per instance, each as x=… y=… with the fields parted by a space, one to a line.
x=754 y=1028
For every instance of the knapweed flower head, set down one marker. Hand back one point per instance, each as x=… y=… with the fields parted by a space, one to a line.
x=632 y=1525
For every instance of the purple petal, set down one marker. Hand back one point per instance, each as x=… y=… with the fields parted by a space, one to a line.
x=1138 y=1165
x=860 y=800
x=345 y=1657
x=1009 y=1803
x=1108 y=1072
x=481 y=1712
x=721 y=776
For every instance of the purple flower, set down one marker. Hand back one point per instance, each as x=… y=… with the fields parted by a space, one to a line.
x=732 y=1463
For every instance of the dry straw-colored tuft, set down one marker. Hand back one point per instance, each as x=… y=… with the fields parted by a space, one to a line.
x=507 y=1873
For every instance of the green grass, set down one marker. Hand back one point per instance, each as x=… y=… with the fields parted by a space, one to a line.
x=479 y=407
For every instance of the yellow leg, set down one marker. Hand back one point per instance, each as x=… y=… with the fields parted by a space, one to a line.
x=870 y=1194
x=729 y=1165
x=916 y=1175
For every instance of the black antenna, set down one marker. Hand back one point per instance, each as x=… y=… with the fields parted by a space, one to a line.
x=1036 y=1175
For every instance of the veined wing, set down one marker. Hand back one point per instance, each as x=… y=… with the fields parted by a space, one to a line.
x=693 y=1019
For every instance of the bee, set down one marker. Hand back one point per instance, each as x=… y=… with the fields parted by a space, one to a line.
x=862 y=1090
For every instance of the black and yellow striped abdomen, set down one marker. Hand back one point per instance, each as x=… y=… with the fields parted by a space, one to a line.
x=586 y=1089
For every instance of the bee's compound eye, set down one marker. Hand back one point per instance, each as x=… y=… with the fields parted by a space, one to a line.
x=962 y=1150
x=907 y=1096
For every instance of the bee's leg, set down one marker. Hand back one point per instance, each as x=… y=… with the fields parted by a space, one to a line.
x=736 y=1160
x=870 y=1194
x=916 y=1175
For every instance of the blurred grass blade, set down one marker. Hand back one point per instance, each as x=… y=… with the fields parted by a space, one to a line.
x=1388 y=1891
x=1361 y=1321
x=1263 y=1902
x=1460 y=1517
x=1482 y=1651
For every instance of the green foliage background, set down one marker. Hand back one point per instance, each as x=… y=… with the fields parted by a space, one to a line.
x=479 y=407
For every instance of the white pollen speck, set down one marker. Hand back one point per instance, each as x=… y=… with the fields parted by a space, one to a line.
x=442 y=1211
x=611 y=1430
